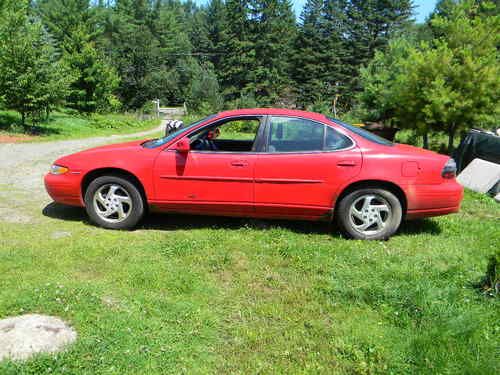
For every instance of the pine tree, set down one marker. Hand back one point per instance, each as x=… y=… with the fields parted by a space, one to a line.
x=272 y=30
x=160 y=49
x=32 y=77
x=256 y=49
x=318 y=68
x=198 y=30
x=368 y=27
x=73 y=25
x=308 y=51
x=239 y=57
x=135 y=52
x=183 y=33
x=217 y=31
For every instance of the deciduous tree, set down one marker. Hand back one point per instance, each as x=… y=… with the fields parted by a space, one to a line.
x=447 y=85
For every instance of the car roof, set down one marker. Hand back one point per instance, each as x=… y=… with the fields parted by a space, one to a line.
x=273 y=111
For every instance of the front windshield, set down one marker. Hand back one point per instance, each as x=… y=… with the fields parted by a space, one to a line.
x=164 y=140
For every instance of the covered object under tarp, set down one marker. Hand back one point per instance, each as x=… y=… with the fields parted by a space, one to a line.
x=477 y=144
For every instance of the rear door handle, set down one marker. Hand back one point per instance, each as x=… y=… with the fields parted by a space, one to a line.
x=346 y=163
x=239 y=163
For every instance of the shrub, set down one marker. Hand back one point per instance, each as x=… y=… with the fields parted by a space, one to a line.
x=99 y=121
x=148 y=108
x=492 y=278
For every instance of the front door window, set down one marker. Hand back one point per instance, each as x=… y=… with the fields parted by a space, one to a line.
x=234 y=135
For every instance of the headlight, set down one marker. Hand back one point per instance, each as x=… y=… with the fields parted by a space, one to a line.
x=58 y=169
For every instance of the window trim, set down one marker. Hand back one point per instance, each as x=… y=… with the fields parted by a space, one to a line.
x=264 y=132
x=260 y=131
x=268 y=137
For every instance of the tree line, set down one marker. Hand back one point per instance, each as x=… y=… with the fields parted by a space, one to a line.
x=362 y=58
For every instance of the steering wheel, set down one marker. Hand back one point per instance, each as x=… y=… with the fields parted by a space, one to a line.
x=204 y=145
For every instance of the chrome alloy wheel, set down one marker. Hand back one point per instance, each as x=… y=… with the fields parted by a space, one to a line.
x=369 y=214
x=112 y=203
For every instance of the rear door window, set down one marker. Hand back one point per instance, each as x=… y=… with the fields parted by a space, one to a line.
x=289 y=134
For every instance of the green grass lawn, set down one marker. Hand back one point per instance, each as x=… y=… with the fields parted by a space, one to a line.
x=206 y=295
x=69 y=125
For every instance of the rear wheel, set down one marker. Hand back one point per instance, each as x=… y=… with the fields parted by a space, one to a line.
x=114 y=202
x=369 y=214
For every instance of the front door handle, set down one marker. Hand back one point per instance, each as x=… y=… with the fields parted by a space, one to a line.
x=239 y=163
x=346 y=163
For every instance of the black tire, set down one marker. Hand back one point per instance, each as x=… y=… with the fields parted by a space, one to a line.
x=126 y=187
x=349 y=223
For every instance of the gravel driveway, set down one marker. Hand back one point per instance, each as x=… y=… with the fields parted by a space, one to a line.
x=23 y=165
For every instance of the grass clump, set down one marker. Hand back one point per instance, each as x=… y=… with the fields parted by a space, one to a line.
x=491 y=281
x=68 y=124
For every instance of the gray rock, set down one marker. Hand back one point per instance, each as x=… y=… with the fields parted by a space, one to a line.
x=23 y=336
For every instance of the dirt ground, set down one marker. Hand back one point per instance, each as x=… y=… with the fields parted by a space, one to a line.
x=6 y=138
x=23 y=165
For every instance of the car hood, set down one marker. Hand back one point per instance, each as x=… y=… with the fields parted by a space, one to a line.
x=114 y=147
x=117 y=151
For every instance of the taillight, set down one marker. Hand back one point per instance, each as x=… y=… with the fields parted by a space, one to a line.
x=449 y=169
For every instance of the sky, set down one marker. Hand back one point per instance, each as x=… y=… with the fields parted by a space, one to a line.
x=422 y=7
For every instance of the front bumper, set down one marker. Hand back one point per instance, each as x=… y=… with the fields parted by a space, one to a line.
x=64 y=188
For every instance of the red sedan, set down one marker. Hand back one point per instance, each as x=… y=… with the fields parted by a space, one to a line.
x=263 y=163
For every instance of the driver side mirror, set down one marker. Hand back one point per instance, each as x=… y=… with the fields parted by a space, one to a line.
x=183 y=145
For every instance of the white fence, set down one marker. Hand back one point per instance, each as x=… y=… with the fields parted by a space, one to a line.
x=170 y=112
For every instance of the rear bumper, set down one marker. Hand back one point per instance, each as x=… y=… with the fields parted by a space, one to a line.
x=434 y=200
x=64 y=189
x=417 y=214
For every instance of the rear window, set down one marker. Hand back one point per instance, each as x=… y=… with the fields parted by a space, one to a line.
x=363 y=133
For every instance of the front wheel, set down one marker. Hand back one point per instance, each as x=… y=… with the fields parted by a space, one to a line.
x=369 y=214
x=114 y=203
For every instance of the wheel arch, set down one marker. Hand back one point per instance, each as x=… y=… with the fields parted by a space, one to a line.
x=113 y=171
x=378 y=184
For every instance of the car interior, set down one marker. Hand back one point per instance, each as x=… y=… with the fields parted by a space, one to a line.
x=233 y=135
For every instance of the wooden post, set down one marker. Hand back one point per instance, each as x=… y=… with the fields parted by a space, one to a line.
x=335 y=99
x=156 y=103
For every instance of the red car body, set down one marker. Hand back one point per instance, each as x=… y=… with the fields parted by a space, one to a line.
x=291 y=185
